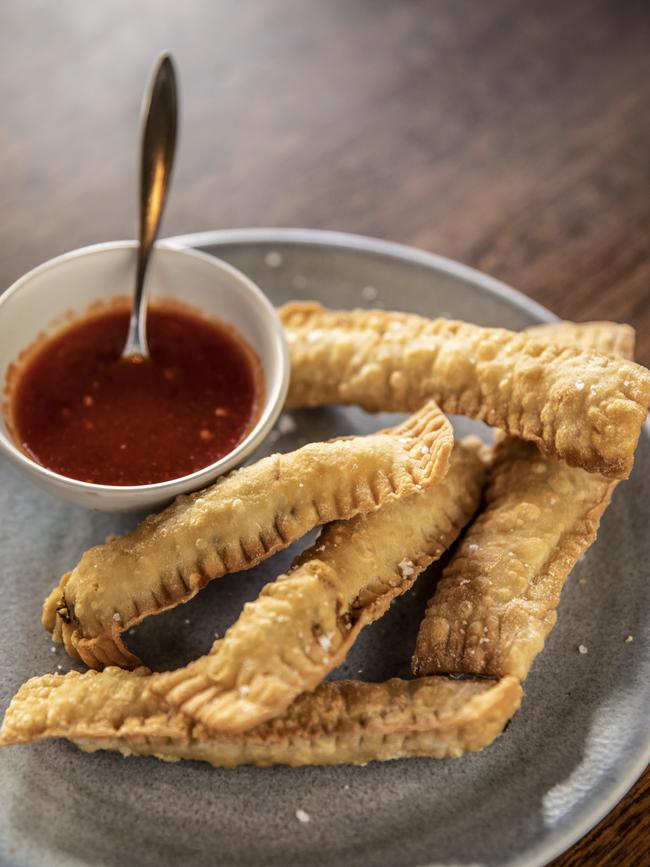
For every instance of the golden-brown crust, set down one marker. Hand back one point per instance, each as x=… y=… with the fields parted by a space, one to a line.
x=496 y=601
x=303 y=624
x=610 y=338
x=236 y=523
x=584 y=407
x=342 y=722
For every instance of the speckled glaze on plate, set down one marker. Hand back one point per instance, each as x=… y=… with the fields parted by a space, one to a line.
x=579 y=741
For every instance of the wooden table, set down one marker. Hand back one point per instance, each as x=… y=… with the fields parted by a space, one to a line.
x=510 y=136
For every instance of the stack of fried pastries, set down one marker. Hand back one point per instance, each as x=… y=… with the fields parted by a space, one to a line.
x=570 y=403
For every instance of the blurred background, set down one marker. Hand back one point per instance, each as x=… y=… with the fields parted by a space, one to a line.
x=511 y=136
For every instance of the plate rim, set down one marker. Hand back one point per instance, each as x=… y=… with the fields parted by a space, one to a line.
x=557 y=842
x=367 y=244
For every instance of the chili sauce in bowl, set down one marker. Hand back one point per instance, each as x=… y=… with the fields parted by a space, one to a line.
x=79 y=408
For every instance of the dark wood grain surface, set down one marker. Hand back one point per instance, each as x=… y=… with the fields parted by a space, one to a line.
x=513 y=137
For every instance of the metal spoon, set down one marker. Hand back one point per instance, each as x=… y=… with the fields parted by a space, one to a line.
x=157 y=145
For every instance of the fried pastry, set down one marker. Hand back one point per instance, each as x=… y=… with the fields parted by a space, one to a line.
x=582 y=406
x=239 y=521
x=303 y=624
x=496 y=601
x=610 y=338
x=345 y=722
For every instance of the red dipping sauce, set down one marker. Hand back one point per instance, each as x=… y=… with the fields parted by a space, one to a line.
x=78 y=408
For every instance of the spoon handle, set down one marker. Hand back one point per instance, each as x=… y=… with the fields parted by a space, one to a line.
x=157 y=147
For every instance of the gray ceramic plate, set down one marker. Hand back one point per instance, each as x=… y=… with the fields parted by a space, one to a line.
x=578 y=743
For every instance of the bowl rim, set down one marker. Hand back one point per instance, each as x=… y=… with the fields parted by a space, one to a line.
x=276 y=390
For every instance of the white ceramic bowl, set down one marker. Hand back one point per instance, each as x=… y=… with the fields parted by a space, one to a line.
x=74 y=281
